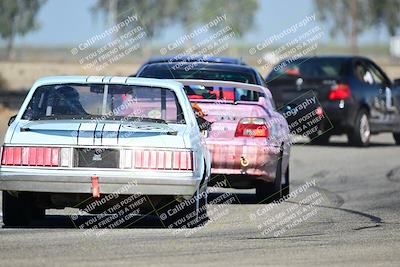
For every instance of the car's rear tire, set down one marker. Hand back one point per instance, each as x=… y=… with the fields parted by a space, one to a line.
x=17 y=210
x=361 y=133
x=185 y=214
x=396 y=137
x=286 y=184
x=267 y=192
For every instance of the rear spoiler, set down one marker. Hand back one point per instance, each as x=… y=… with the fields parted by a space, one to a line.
x=267 y=101
x=246 y=86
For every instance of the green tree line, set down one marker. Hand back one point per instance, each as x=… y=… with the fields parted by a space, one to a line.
x=353 y=17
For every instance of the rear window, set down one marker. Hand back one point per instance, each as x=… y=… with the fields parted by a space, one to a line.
x=170 y=72
x=313 y=68
x=109 y=102
x=221 y=93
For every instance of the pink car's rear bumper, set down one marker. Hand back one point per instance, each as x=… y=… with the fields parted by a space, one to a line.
x=249 y=157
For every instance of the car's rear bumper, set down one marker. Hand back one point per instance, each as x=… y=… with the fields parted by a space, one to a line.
x=250 y=158
x=340 y=117
x=110 y=181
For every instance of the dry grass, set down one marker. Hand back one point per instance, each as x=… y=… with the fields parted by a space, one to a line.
x=5 y=115
x=21 y=75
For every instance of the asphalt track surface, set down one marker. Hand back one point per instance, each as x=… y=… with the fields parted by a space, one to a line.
x=351 y=216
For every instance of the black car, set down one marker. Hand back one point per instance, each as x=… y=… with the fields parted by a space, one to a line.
x=202 y=71
x=356 y=96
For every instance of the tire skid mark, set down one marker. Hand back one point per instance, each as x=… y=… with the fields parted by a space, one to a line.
x=336 y=198
x=367 y=227
x=282 y=237
x=373 y=218
x=394 y=175
x=333 y=197
x=320 y=174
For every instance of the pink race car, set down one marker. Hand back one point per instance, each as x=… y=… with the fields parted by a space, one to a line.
x=248 y=139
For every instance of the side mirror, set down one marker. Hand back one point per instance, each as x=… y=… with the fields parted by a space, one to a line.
x=11 y=120
x=396 y=82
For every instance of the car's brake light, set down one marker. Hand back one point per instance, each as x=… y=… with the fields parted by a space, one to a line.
x=31 y=156
x=252 y=127
x=340 y=92
x=163 y=160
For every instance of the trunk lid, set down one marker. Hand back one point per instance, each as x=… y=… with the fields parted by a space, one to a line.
x=105 y=133
x=225 y=117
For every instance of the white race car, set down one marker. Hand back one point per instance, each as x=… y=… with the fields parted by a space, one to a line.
x=96 y=142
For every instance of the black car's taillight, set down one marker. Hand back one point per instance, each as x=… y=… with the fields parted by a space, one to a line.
x=340 y=92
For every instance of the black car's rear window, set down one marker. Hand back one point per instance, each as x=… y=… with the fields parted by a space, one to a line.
x=172 y=72
x=312 y=68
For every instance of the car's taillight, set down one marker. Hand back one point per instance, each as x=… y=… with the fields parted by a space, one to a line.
x=163 y=160
x=340 y=92
x=252 y=127
x=30 y=156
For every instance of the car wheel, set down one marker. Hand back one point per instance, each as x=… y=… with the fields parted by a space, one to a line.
x=16 y=209
x=187 y=213
x=396 y=137
x=361 y=133
x=286 y=184
x=267 y=192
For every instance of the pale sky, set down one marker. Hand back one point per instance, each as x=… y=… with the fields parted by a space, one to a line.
x=66 y=23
